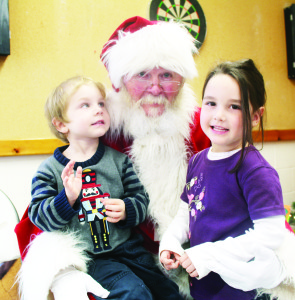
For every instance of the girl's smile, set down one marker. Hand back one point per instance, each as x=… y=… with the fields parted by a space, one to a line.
x=218 y=129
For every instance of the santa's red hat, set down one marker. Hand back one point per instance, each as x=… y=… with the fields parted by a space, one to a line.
x=140 y=45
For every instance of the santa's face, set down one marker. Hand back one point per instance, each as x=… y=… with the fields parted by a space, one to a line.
x=153 y=90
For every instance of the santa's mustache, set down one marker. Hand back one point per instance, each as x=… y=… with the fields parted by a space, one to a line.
x=150 y=99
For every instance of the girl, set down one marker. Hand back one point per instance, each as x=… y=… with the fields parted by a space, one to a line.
x=232 y=210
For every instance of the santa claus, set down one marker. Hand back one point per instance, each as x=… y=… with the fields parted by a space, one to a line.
x=154 y=114
x=155 y=120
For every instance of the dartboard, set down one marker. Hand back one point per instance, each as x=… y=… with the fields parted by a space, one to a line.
x=189 y=13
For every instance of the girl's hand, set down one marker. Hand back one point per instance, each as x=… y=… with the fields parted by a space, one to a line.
x=169 y=259
x=115 y=209
x=72 y=183
x=187 y=264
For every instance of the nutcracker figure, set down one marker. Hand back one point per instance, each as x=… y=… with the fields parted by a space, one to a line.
x=93 y=211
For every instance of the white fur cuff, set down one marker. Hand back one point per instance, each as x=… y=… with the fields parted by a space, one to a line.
x=49 y=253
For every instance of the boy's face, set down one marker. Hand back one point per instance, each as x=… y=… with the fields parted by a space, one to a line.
x=87 y=115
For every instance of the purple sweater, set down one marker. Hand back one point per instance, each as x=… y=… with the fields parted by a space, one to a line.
x=223 y=205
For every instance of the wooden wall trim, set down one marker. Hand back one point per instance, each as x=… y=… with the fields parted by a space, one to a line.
x=275 y=135
x=29 y=147
x=47 y=146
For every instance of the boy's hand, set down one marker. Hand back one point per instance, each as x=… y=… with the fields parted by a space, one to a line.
x=187 y=264
x=72 y=183
x=169 y=259
x=115 y=210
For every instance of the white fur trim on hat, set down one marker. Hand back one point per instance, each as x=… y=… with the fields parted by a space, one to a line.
x=165 y=44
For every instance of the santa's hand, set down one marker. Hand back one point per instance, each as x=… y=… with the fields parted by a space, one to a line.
x=73 y=284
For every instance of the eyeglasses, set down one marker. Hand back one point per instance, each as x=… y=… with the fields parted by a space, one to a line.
x=142 y=82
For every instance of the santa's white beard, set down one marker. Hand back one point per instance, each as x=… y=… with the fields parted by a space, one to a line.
x=159 y=152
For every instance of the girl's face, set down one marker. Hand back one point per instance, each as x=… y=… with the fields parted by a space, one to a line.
x=221 y=115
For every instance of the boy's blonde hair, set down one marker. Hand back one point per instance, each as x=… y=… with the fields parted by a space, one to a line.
x=58 y=100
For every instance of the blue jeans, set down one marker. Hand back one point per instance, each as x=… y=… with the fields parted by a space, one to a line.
x=129 y=272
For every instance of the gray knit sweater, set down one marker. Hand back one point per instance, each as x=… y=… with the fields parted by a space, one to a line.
x=108 y=173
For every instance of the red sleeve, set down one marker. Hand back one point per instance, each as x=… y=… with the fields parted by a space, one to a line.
x=198 y=139
x=25 y=231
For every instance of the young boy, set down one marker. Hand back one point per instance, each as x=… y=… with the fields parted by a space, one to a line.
x=93 y=190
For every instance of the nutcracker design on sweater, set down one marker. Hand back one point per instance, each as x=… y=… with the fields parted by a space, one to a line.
x=93 y=211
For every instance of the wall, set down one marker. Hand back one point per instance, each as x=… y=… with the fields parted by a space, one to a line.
x=281 y=156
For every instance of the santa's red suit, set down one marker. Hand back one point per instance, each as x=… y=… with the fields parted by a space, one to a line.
x=159 y=146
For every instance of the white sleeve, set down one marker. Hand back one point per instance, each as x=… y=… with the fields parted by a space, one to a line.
x=177 y=232
x=248 y=261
